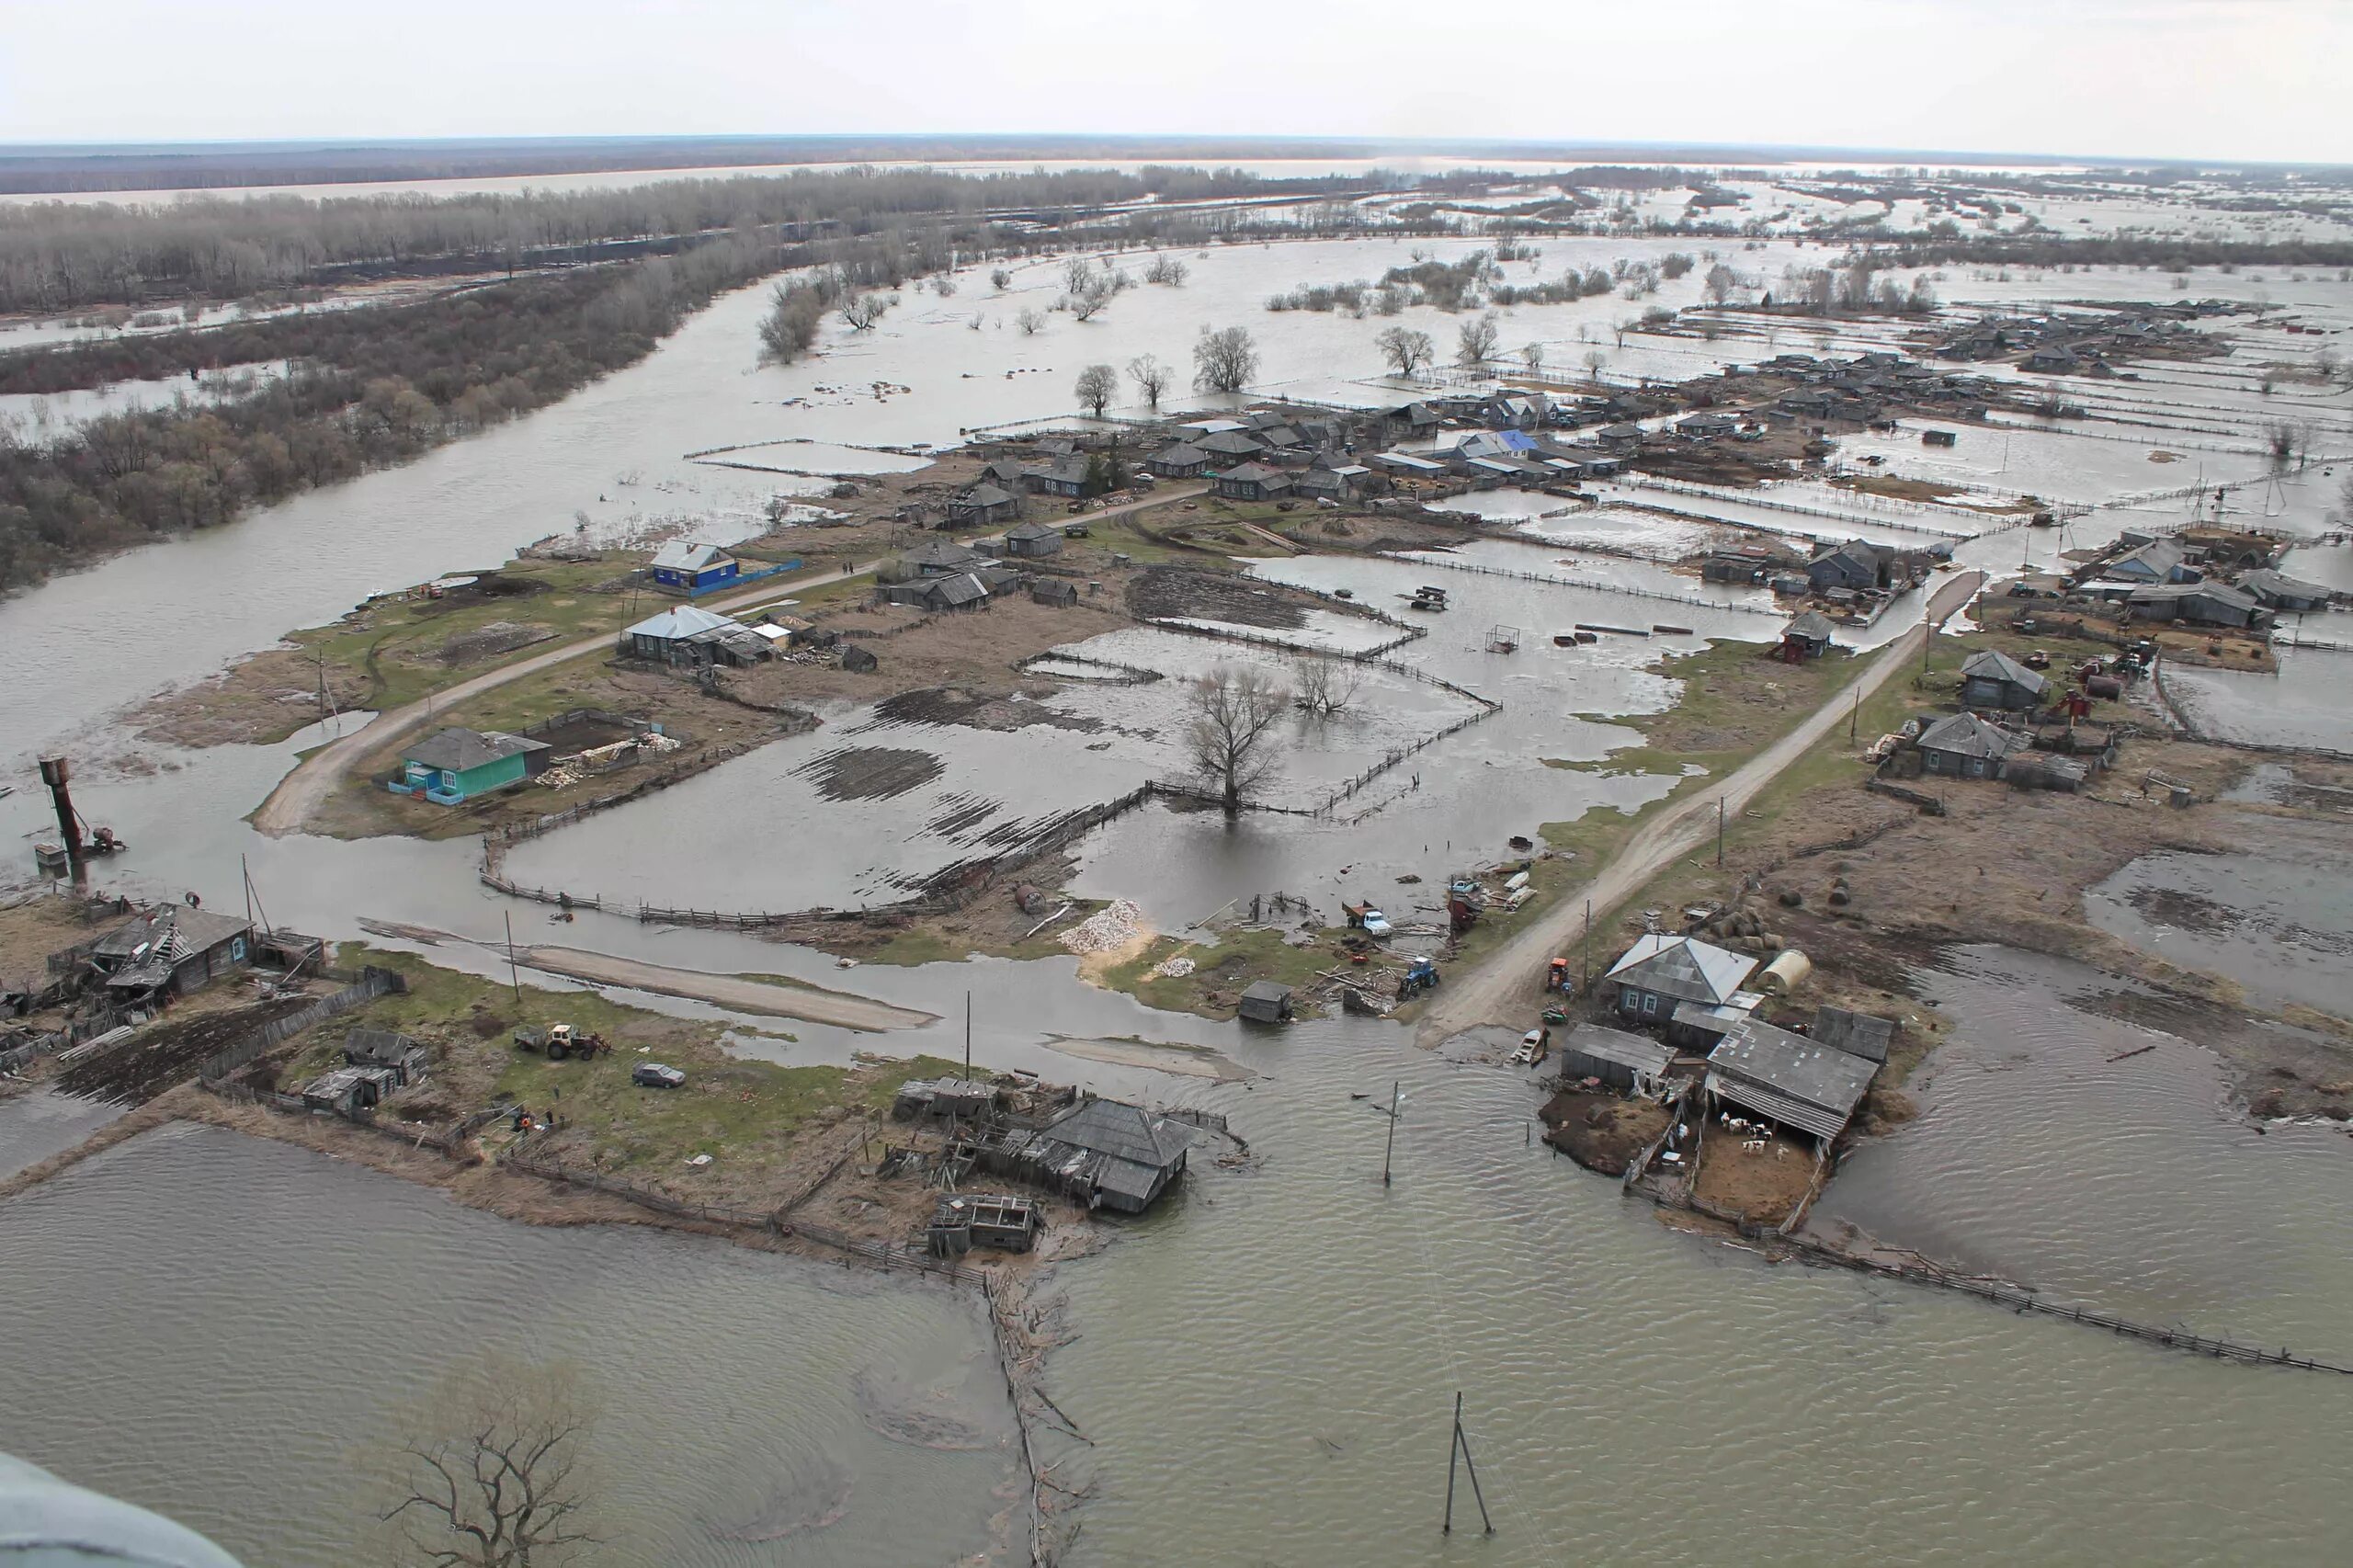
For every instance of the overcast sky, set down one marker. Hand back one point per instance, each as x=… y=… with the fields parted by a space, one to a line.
x=2253 y=79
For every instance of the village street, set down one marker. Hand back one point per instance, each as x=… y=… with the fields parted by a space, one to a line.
x=1501 y=990
x=300 y=794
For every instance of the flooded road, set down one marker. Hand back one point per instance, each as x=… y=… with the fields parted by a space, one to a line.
x=294 y=1303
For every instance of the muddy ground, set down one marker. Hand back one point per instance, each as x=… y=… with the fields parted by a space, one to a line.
x=1602 y=1131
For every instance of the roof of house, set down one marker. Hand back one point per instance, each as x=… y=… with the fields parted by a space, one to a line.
x=1034 y=531
x=1965 y=734
x=169 y=932
x=2159 y=557
x=1230 y=444
x=456 y=750
x=1063 y=471
x=2263 y=582
x=2221 y=593
x=1412 y=460
x=678 y=624
x=1708 y=422
x=1184 y=454
x=1993 y=664
x=1682 y=967
x=942 y=552
x=1806 y=1083
x=1715 y=1019
x=1813 y=626
x=1121 y=1131
x=684 y=555
x=1854 y=550
x=378 y=1047
x=1638 y=1051
x=1856 y=1034
x=964 y=588
x=1257 y=473
x=1265 y=991
x=983 y=495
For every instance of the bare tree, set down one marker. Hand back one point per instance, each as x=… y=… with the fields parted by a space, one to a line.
x=1167 y=269
x=863 y=310
x=1097 y=386
x=1231 y=738
x=1532 y=356
x=1474 y=345
x=1087 y=299
x=1596 y=361
x=1224 y=361
x=1720 y=285
x=1327 y=686
x=1001 y=279
x=1077 y=273
x=1149 y=376
x=1028 y=321
x=1405 y=349
x=487 y=1470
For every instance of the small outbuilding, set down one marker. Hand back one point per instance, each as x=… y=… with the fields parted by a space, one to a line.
x=1788 y=970
x=349 y=1091
x=1866 y=1035
x=1059 y=591
x=2277 y=591
x=1266 y=1002
x=1630 y=1064
x=396 y=1053
x=963 y=1221
x=1993 y=679
x=858 y=659
x=1807 y=637
x=939 y=1099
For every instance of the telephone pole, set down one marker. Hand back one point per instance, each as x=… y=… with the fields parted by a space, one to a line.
x=1719 y=832
x=1460 y=1446
x=1389 y=1147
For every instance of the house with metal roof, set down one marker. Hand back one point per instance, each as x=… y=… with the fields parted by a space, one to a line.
x=686 y=567
x=1630 y=1064
x=1866 y=1035
x=1788 y=1079
x=2159 y=560
x=692 y=635
x=459 y=764
x=1659 y=972
x=1993 y=679
x=1962 y=746
x=1112 y=1154
x=173 y=947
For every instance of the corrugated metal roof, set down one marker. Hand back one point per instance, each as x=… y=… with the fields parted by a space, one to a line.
x=1682 y=967
x=684 y=555
x=458 y=749
x=678 y=624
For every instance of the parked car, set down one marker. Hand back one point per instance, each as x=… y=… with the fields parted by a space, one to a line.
x=653 y=1076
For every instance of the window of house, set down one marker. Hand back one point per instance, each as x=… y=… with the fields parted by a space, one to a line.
x=1650 y=1006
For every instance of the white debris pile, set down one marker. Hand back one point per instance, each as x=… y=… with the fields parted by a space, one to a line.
x=1176 y=967
x=1114 y=926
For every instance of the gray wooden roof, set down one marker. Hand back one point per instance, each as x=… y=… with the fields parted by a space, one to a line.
x=1858 y=1034
x=1805 y=1082
x=1993 y=664
x=1123 y=1131
x=1638 y=1051
x=1965 y=734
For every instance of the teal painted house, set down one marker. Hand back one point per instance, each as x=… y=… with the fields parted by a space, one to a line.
x=457 y=765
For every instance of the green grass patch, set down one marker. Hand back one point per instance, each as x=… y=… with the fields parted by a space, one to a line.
x=1222 y=969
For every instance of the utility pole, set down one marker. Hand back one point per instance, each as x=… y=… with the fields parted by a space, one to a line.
x=1719 y=832
x=1856 y=717
x=1394 y=1085
x=1588 y=944
x=1460 y=1445
x=514 y=977
x=968 y=1037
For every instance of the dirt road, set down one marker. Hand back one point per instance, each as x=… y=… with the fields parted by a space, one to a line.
x=1502 y=989
x=731 y=991
x=302 y=792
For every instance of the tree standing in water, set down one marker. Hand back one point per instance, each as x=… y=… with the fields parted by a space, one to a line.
x=1231 y=738
x=485 y=1473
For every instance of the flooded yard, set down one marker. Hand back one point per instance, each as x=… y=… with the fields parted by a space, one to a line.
x=2278 y=921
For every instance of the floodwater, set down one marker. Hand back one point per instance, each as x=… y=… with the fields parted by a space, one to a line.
x=1292 y=1331
x=225 y=1329
x=2276 y=921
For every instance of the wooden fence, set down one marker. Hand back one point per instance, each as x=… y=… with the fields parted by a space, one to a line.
x=1629 y=590
x=374 y=982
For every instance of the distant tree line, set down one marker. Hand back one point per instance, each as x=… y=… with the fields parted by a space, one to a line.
x=74 y=256
x=365 y=389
